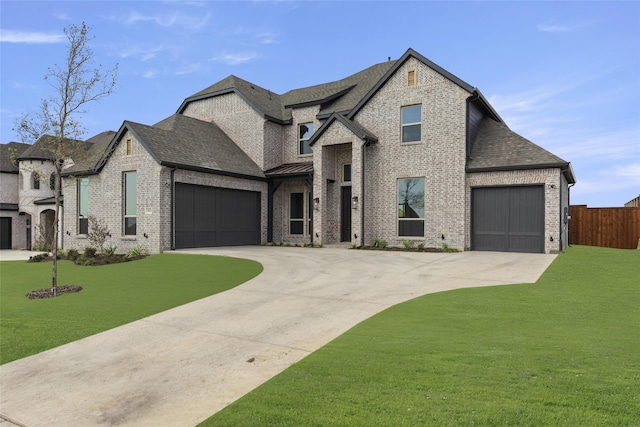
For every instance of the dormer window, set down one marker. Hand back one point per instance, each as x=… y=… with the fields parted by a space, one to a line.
x=305 y=130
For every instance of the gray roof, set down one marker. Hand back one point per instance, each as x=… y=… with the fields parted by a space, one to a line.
x=44 y=148
x=356 y=128
x=188 y=143
x=499 y=148
x=96 y=147
x=341 y=95
x=291 y=169
x=8 y=154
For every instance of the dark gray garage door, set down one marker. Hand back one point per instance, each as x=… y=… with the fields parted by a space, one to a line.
x=508 y=219
x=212 y=216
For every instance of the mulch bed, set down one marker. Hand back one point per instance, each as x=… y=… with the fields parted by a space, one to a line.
x=48 y=293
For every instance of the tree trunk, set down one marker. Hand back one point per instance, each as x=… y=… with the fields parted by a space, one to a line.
x=56 y=221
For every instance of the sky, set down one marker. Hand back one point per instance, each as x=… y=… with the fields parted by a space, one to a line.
x=565 y=75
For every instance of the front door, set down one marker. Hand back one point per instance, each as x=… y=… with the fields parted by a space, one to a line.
x=345 y=214
x=5 y=232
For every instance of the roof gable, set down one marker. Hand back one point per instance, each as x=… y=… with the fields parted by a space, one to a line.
x=188 y=143
x=358 y=130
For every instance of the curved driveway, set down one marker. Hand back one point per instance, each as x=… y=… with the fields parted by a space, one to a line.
x=180 y=366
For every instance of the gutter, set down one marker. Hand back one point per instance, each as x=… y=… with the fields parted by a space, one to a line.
x=172 y=196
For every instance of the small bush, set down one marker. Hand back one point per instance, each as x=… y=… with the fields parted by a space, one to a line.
x=39 y=258
x=72 y=254
x=41 y=247
x=110 y=250
x=379 y=243
x=447 y=248
x=137 y=253
x=421 y=246
x=90 y=251
x=408 y=244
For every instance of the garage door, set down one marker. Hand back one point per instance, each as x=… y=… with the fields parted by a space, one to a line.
x=508 y=219
x=212 y=216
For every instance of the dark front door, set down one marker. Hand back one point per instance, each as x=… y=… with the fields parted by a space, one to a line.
x=5 y=232
x=345 y=214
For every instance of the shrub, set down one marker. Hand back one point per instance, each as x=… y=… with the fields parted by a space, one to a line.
x=90 y=251
x=408 y=244
x=379 y=243
x=39 y=258
x=137 y=253
x=98 y=232
x=447 y=248
x=72 y=254
x=110 y=250
x=421 y=246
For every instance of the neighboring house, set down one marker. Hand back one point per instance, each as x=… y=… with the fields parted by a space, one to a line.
x=401 y=151
x=14 y=226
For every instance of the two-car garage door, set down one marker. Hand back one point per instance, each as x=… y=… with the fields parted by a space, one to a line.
x=508 y=219
x=213 y=216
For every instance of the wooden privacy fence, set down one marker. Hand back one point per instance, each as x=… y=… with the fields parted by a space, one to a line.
x=605 y=227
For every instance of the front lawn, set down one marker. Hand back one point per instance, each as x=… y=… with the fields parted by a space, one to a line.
x=112 y=295
x=564 y=351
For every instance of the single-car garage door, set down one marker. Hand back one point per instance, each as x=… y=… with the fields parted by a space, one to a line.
x=508 y=219
x=213 y=216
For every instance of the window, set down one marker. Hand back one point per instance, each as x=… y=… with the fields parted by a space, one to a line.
x=129 y=147
x=130 y=203
x=296 y=213
x=411 y=78
x=411 y=207
x=35 y=181
x=83 y=206
x=346 y=172
x=411 y=123
x=305 y=130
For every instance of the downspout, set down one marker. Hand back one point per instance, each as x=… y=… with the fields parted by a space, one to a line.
x=569 y=217
x=172 y=196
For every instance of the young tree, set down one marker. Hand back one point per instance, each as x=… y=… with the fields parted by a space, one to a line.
x=76 y=83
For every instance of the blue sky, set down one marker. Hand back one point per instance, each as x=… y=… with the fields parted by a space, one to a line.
x=565 y=75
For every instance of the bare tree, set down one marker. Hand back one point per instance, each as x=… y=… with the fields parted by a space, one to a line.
x=76 y=83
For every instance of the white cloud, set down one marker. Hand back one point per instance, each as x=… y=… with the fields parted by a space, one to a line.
x=629 y=171
x=267 y=38
x=151 y=73
x=165 y=20
x=142 y=53
x=188 y=69
x=236 y=58
x=551 y=26
x=11 y=36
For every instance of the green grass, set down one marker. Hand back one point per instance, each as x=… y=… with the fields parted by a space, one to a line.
x=112 y=295
x=564 y=351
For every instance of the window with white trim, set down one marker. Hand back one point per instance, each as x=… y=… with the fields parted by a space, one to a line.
x=411 y=207
x=411 y=123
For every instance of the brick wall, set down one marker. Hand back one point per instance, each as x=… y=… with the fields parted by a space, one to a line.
x=439 y=157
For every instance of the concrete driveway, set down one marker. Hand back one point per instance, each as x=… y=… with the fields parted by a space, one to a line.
x=179 y=367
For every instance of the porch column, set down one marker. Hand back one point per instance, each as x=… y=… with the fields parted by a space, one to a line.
x=357 y=185
x=320 y=193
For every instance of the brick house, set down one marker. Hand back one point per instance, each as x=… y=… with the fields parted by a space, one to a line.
x=401 y=151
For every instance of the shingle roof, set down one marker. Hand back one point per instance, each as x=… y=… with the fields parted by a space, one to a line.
x=262 y=100
x=8 y=153
x=43 y=148
x=341 y=95
x=185 y=142
x=499 y=148
x=96 y=147
x=356 y=128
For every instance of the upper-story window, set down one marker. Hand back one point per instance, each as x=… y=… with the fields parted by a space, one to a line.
x=346 y=172
x=411 y=123
x=305 y=130
x=128 y=147
x=35 y=181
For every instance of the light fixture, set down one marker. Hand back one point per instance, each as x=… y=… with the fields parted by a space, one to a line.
x=354 y=202
x=316 y=203
x=146 y=236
